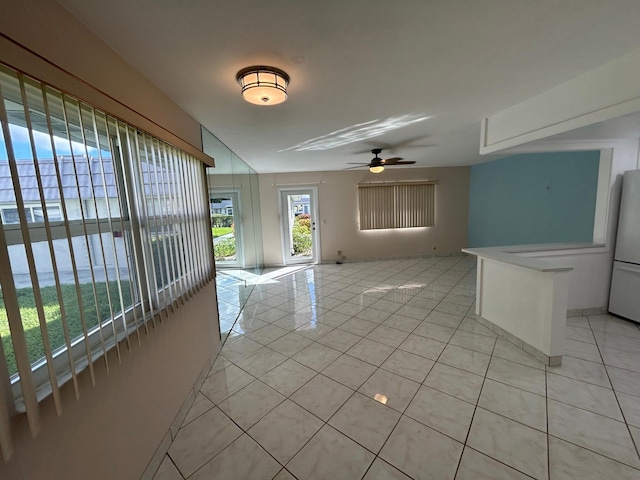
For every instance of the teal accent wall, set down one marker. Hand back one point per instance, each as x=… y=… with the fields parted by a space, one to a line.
x=533 y=198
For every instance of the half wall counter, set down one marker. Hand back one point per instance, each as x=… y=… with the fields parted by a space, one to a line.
x=523 y=298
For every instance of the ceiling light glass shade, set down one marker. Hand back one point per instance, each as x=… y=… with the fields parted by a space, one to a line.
x=263 y=85
x=376 y=169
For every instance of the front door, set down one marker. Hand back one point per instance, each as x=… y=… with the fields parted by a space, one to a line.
x=299 y=225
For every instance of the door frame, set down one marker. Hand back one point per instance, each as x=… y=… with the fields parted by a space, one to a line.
x=234 y=194
x=315 y=226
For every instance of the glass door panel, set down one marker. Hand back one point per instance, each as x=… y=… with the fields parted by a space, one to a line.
x=226 y=228
x=299 y=217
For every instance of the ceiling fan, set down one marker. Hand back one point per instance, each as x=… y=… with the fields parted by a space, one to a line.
x=377 y=164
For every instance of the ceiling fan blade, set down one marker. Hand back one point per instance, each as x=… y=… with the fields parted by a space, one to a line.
x=359 y=166
x=354 y=163
x=407 y=162
x=392 y=161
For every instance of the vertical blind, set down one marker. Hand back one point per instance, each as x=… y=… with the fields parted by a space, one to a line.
x=104 y=230
x=397 y=205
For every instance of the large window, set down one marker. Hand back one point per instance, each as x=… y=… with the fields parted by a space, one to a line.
x=103 y=230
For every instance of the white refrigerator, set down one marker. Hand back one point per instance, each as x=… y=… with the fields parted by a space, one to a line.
x=624 y=298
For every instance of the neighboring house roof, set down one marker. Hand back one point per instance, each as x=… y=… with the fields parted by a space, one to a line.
x=87 y=173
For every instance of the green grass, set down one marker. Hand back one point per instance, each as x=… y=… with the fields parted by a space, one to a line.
x=219 y=231
x=53 y=317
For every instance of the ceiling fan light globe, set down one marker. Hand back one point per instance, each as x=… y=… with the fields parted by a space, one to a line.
x=376 y=168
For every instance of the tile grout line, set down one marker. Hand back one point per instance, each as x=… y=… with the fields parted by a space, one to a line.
x=173 y=463
x=546 y=407
x=615 y=394
x=475 y=409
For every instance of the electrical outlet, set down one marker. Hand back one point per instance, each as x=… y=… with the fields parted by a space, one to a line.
x=339 y=253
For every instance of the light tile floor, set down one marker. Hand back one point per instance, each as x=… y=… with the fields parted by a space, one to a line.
x=379 y=370
x=233 y=289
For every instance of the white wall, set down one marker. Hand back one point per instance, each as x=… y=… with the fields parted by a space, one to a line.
x=338 y=211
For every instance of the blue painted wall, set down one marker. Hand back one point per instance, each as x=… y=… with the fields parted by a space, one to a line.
x=533 y=198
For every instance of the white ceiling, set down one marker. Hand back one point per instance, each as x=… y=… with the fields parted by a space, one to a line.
x=439 y=66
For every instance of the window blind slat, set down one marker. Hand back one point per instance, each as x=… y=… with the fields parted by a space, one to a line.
x=187 y=225
x=9 y=290
x=52 y=97
x=123 y=154
x=100 y=256
x=154 y=242
x=182 y=221
x=198 y=196
x=163 y=202
x=151 y=293
x=37 y=294
x=197 y=203
x=20 y=350
x=6 y=441
x=188 y=209
x=175 y=220
x=54 y=262
x=103 y=180
x=196 y=223
x=69 y=112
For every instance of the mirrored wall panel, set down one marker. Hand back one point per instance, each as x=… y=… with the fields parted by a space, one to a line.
x=234 y=202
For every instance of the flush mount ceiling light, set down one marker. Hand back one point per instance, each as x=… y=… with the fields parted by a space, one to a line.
x=263 y=85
